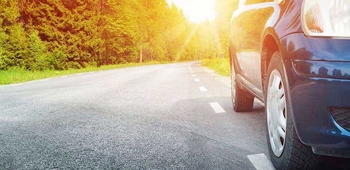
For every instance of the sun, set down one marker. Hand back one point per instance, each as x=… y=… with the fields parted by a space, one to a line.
x=196 y=11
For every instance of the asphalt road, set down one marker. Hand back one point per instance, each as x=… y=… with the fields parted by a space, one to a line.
x=173 y=116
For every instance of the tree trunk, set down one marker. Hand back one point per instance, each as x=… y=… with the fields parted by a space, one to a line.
x=141 y=51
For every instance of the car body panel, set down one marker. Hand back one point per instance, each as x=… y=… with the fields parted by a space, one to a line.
x=246 y=23
x=318 y=80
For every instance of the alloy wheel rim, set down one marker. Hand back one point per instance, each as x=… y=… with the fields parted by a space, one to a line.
x=276 y=113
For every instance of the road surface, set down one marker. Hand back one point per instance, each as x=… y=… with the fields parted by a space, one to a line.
x=172 y=116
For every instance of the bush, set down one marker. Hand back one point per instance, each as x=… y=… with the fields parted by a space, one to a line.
x=220 y=65
x=39 y=57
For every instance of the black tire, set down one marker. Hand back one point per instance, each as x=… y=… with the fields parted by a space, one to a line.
x=242 y=101
x=295 y=155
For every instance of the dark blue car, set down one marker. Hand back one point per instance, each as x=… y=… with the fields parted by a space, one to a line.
x=294 y=55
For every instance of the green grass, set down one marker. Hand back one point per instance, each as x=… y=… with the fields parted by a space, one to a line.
x=220 y=65
x=20 y=75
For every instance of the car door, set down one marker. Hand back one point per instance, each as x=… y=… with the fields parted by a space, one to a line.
x=251 y=18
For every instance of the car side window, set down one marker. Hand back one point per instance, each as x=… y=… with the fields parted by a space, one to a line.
x=250 y=2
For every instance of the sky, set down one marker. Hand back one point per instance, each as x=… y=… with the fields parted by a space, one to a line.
x=196 y=10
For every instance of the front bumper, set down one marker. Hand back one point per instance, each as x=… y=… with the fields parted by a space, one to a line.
x=319 y=85
x=312 y=102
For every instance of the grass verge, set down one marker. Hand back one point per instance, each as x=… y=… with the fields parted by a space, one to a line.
x=220 y=65
x=21 y=75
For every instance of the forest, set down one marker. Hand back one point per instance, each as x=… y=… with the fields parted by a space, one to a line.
x=63 y=34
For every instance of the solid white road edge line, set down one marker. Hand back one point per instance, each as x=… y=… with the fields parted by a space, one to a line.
x=217 y=108
x=260 y=162
x=203 y=89
x=13 y=85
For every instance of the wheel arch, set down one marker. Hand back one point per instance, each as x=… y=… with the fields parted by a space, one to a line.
x=270 y=45
x=233 y=60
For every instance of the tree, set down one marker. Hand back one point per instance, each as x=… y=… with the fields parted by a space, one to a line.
x=12 y=36
x=63 y=34
x=69 y=27
x=120 y=31
x=224 y=10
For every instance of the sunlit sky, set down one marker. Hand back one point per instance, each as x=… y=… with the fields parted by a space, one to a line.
x=196 y=10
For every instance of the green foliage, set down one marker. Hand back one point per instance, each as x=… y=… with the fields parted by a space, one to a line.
x=119 y=32
x=12 y=36
x=3 y=38
x=220 y=65
x=70 y=26
x=39 y=57
x=63 y=34
x=59 y=61
x=8 y=12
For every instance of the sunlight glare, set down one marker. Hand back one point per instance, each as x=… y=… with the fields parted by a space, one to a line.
x=197 y=11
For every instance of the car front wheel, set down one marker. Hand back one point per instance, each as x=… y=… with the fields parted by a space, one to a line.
x=286 y=150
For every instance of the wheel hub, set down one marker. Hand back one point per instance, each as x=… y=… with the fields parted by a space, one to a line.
x=276 y=113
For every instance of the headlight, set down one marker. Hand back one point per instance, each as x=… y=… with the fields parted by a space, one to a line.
x=326 y=18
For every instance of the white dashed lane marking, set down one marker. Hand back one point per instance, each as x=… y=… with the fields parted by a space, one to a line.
x=203 y=89
x=217 y=108
x=260 y=162
x=190 y=67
